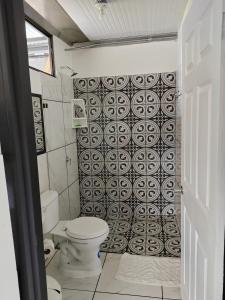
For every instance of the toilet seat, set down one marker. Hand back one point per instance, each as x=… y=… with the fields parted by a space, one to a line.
x=86 y=228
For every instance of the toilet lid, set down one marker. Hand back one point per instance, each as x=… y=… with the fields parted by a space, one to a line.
x=86 y=227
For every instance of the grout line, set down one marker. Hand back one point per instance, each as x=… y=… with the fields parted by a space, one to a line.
x=99 y=278
x=104 y=259
x=48 y=151
x=93 y=296
x=51 y=100
x=141 y=296
x=68 y=186
x=64 y=146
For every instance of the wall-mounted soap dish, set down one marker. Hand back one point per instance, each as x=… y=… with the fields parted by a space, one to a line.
x=79 y=116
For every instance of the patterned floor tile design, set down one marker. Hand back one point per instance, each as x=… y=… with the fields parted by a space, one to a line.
x=157 y=236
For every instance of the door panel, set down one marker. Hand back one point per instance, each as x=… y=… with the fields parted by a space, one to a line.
x=9 y=286
x=202 y=153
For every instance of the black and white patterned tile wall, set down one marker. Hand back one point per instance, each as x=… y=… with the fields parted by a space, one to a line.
x=38 y=124
x=127 y=153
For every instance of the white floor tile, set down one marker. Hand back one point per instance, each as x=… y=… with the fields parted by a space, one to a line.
x=171 y=293
x=105 y=296
x=84 y=284
x=109 y=284
x=76 y=295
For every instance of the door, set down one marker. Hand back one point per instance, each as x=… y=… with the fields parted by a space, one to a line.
x=203 y=156
x=8 y=280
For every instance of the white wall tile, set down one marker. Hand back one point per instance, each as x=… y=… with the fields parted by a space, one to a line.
x=43 y=172
x=51 y=87
x=57 y=169
x=72 y=164
x=35 y=82
x=62 y=57
x=64 y=206
x=70 y=133
x=67 y=88
x=74 y=196
x=54 y=125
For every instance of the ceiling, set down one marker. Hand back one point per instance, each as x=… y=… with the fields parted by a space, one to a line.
x=125 y=18
x=51 y=12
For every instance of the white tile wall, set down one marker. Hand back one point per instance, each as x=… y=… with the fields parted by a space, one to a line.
x=72 y=163
x=54 y=172
x=64 y=206
x=43 y=172
x=57 y=170
x=54 y=125
x=67 y=88
x=74 y=196
x=35 y=82
x=51 y=88
x=70 y=134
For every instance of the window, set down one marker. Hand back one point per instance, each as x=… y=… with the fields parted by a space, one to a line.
x=39 y=44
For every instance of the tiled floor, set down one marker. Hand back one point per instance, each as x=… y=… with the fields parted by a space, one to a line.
x=153 y=235
x=106 y=287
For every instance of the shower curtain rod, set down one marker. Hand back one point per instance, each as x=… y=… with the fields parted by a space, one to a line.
x=124 y=41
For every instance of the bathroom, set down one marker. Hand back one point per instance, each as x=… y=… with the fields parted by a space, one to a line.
x=120 y=156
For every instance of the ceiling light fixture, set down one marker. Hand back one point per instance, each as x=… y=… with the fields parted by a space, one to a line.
x=101 y=5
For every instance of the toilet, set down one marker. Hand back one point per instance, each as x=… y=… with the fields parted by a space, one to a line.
x=80 y=238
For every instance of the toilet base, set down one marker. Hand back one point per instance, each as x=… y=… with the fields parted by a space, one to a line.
x=79 y=264
x=76 y=269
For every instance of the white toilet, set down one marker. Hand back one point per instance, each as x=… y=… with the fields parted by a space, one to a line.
x=81 y=238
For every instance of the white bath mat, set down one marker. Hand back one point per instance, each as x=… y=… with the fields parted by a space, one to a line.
x=149 y=270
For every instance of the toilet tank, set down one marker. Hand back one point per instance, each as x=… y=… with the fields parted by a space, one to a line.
x=49 y=210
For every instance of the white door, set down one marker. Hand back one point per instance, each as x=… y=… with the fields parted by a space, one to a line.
x=203 y=157
x=9 y=288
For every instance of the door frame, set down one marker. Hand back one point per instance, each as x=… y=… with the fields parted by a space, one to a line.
x=19 y=152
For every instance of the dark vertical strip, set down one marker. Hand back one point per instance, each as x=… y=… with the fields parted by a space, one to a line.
x=18 y=148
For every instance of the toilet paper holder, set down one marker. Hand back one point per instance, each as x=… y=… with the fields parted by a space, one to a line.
x=79 y=116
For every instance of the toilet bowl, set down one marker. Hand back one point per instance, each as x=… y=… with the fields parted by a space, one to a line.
x=80 y=245
x=80 y=239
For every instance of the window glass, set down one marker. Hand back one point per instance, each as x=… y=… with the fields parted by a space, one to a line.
x=39 y=49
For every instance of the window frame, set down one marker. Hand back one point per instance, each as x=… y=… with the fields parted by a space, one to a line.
x=51 y=46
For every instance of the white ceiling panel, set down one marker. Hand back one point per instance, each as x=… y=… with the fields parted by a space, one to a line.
x=125 y=18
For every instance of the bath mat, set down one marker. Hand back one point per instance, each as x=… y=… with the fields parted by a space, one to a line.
x=149 y=270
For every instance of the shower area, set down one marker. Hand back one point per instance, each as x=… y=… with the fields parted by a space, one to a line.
x=127 y=161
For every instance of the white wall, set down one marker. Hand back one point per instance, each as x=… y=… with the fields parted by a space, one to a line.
x=126 y=60
x=55 y=172
x=62 y=57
